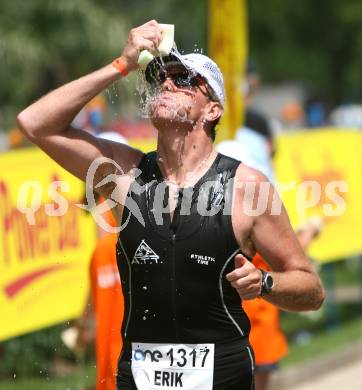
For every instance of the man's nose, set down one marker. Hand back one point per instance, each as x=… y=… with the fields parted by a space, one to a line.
x=168 y=85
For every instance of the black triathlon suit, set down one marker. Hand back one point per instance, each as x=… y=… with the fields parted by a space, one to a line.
x=173 y=273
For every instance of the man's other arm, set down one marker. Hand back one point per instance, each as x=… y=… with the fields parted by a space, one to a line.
x=297 y=286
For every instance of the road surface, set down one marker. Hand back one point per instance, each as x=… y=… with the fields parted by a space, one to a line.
x=347 y=377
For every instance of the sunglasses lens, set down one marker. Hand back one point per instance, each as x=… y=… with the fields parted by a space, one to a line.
x=184 y=80
x=180 y=79
x=159 y=79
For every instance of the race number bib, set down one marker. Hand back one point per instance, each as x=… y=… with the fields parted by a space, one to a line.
x=173 y=366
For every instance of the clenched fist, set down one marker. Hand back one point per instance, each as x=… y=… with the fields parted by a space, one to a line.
x=145 y=37
x=246 y=278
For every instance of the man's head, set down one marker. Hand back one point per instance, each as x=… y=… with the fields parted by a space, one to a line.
x=189 y=88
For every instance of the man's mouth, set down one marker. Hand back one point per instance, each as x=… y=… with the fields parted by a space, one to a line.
x=164 y=97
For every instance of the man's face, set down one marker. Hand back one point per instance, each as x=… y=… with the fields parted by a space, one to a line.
x=178 y=96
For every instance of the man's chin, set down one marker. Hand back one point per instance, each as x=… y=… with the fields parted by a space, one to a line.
x=164 y=121
x=160 y=121
x=167 y=113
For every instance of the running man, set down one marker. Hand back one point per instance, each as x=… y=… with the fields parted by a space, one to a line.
x=184 y=252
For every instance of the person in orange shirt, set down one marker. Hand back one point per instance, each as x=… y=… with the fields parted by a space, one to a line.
x=266 y=337
x=108 y=305
x=105 y=307
x=103 y=316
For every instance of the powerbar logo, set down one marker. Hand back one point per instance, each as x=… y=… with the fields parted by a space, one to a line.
x=200 y=259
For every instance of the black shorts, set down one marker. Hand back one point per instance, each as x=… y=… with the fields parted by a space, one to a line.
x=233 y=369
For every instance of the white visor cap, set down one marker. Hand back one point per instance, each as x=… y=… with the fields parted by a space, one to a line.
x=198 y=63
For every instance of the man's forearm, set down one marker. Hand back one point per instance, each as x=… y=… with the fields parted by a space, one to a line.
x=54 y=112
x=296 y=291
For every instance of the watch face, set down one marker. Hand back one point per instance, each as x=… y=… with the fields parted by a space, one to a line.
x=269 y=283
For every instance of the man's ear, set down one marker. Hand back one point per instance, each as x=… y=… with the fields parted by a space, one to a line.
x=213 y=111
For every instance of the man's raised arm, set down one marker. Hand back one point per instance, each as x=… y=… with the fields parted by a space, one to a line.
x=47 y=121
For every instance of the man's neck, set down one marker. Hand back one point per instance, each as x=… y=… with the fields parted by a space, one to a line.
x=184 y=158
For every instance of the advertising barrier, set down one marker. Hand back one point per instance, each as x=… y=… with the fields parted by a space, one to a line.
x=46 y=243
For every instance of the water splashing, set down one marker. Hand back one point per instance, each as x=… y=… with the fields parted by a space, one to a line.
x=150 y=93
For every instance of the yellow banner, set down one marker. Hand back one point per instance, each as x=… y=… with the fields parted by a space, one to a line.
x=46 y=243
x=323 y=170
x=228 y=48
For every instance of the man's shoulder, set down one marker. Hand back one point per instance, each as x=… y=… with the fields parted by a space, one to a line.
x=246 y=173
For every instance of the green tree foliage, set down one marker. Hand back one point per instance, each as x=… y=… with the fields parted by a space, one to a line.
x=44 y=43
x=189 y=17
x=33 y=353
x=315 y=41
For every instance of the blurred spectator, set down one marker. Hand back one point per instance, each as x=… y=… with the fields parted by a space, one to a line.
x=266 y=337
x=103 y=316
x=91 y=118
x=347 y=116
x=4 y=142
x=292 y=115
x=252 y=147
x=316 y=114
x=16 y=139
x=251 y=83
x=106 y=308
x=106 y=305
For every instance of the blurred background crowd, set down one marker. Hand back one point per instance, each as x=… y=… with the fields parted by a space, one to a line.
x=300 y=90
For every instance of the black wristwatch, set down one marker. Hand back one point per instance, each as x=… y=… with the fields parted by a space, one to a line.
x=267 y=282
